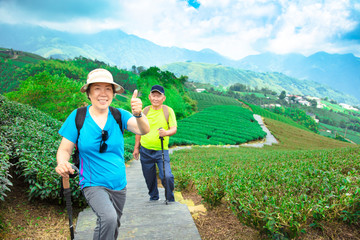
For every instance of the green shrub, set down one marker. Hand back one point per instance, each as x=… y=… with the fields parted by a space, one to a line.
x=280 y=192
x=218 y=125
x=4 y=169
x=29 y=139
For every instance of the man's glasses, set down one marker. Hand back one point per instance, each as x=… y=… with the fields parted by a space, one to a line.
x=104 y=137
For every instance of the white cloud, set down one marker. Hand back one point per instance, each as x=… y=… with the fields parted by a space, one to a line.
x=310 y=28
x=231 y=27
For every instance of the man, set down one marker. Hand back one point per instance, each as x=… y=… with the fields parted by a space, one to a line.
x=149 y=145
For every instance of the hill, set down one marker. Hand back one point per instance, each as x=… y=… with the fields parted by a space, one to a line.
x=340 y=71
x=116 y=47
x=222 y=75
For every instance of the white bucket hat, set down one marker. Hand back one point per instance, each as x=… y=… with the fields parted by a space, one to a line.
x=101 y=75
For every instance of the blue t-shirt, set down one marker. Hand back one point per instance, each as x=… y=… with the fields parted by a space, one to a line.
x=99 y=169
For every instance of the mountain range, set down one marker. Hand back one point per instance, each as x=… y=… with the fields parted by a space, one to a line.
x=115 y=47
x=216 y=75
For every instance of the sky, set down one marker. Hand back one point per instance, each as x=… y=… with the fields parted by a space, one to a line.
x=233 y=28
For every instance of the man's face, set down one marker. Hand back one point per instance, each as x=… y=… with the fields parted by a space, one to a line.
x=156 y=98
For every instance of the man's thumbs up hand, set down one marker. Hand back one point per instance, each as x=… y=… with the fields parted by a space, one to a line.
x=136 y=104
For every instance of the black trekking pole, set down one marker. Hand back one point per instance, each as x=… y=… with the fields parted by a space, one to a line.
x=67 y=196
x=163 y=158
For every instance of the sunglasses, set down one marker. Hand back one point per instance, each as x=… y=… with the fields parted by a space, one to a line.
x=104 y=137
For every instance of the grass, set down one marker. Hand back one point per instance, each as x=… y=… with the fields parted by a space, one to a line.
x=292 y=138
x=303 y=183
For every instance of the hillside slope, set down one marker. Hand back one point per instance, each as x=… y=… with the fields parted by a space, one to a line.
x=340 y=71
x=293 y=138
x=116 y=47
x=221 y=75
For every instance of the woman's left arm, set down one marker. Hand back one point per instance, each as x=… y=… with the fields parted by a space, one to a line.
x=140 y=124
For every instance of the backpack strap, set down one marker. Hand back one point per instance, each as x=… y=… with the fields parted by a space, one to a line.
x=117 y=115
x=79 y=120
x=165 y=110
x=146 y=110
x=166 y=113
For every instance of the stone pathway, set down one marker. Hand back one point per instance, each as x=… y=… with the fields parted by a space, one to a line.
x=269 y=139
x=143 y=219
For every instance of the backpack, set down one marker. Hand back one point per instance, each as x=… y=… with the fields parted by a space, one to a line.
x=165 y=110
x=79 y=122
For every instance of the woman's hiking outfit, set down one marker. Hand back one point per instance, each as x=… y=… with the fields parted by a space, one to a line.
x=102 y=175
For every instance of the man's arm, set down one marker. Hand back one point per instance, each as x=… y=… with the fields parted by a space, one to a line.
x=137 y=147
x=170 y=132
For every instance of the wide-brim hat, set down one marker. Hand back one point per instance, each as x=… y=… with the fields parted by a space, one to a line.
x=101 y=75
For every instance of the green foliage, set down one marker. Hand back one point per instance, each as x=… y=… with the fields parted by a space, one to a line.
x=281 y=192
x=4 y=168
x=340 y=119
x=53 y=94
x=266 y=113
x=335 y=131
x=7 y=70
x=30 y=140
x=218 y=125
x=299 y=116
x=282 y=95
x=176 y=95
x=53 y=67
x=10 y=62
x=205 y=100
x=125 y=78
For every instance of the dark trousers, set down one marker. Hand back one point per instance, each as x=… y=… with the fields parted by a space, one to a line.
x=149 y=159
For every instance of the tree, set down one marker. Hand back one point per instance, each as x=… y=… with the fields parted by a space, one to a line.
x=313 y=103
x=282 y=95
x=53 y=94
x=238 y=87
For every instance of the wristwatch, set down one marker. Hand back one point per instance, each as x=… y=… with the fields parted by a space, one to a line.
x=138 y=116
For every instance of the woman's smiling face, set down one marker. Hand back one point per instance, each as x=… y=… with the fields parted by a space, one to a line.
x=101 y=95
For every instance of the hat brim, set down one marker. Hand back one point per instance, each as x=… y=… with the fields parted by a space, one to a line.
x=118 y=89
x=155 y=90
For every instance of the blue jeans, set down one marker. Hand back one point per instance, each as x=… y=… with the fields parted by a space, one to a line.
x=108 y=206
x=149 y=159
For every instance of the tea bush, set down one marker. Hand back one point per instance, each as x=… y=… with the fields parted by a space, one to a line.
x=282 y=192
x=29 y=140
x=4 y=169
x=218 y=125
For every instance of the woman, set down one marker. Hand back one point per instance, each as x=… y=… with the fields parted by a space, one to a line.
x=101 y=150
